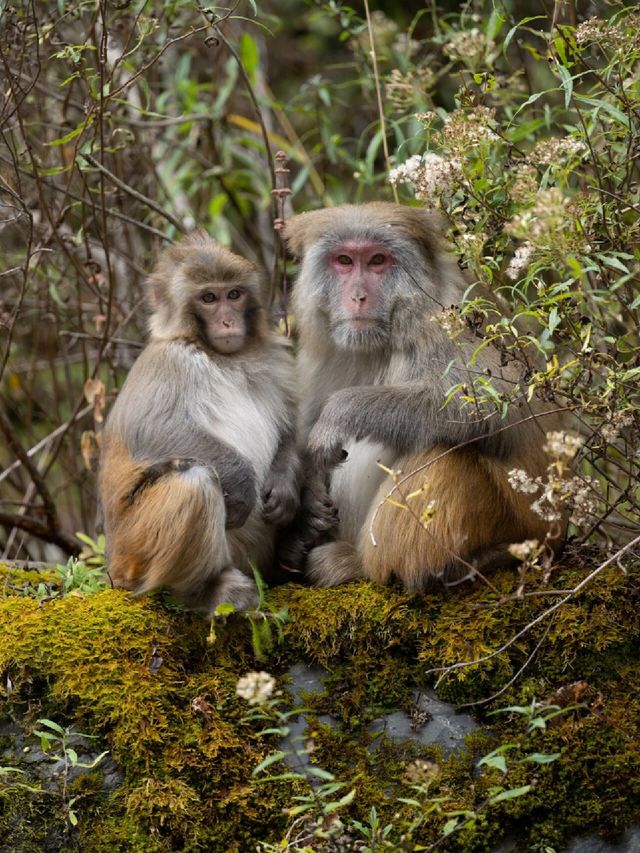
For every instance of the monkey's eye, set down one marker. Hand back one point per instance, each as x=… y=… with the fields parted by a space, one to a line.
x=377 y=259
x=234 y=293
x=208 y=297
x=344 y=260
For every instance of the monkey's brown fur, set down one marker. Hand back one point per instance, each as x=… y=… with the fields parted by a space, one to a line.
x=379 y=393
x=199 y=462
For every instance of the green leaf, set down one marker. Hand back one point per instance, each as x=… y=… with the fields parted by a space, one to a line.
x=268 y=761
x=320 y=773
x=62 y=140
x=49 y=724
x=511 y=794
x=567 y=85
x=249 y=55
x=449 y=826
x=499 y=762
x=542 y=758
x=224 y=609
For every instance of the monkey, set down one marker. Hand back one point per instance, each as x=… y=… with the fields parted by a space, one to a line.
x=199 y=463
x=375 y=370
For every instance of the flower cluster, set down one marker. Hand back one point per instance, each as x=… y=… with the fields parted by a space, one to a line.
x=524 y=550
x=255 y=687
x=520 y=481
x=619 y=421
x=562 y=444
x=554 y=151
x=625 y=34
x=450 y=321
x=402 y=89
x=470 y=46
x=526 y=183
x=465 y=131
x=520 y=262
x=434 y=179
x=548 y=216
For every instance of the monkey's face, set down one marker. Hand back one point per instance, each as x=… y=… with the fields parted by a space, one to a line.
x=360 y=270
x=222 y=314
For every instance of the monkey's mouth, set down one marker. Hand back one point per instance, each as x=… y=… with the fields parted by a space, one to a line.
x=359 y=322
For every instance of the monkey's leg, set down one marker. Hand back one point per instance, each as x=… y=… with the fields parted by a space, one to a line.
x=333 y=564
x=167 y=528
x=465 y=514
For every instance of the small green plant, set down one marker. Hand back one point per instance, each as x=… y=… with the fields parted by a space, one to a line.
x=55 y=742
x=94 y=552
x=79 y=578
x=263 y=620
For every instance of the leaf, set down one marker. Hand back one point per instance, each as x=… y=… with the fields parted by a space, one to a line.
x=62 y=140
x=344 y=801
x=224 y=609
x=567 y=84
x=51 y=725
x=542 y=758
x=320 y=773
x=499 y=762
x=249 y=55
x=268 y=761
x=511 y=794
x=449 y=826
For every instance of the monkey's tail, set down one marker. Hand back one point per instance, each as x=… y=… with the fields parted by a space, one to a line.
x=169 y=528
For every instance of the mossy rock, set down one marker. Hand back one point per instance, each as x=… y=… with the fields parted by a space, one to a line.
x=140 y=676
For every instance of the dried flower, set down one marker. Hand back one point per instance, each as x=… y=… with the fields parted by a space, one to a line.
x=450 y=321
x=520 y=481
x=520 y=261
x=255 y=687
x=403 y=89
x=619 y=421
x=524 y=550
x=525 y=185
x=555 y=152
x=548 y=217
x=433 y=177
x=560 y=443
x=466 y=130
x=470 y=46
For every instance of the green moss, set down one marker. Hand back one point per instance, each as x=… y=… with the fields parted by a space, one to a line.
x=140 y=676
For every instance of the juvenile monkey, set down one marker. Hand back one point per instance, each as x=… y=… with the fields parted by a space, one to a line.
x=374 y=371
x=199 y=461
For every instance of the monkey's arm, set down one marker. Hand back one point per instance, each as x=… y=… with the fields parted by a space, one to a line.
x=281 y=490
x=408 y=418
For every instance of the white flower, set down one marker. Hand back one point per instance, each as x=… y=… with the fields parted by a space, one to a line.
x=561 y=443
x=432 y=176
x=618 y=422
x=255 y=687
x=520 y=481
x=520 y=261
x=523 y=550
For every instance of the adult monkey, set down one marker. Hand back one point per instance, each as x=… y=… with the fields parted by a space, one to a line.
x=374 y=374
x=199 y=461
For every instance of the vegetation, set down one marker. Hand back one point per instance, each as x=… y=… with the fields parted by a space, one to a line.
x=123 y=125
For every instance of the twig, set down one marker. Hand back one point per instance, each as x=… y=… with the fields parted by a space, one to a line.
x=376 y=77
x=584 y=582
x=133 y=193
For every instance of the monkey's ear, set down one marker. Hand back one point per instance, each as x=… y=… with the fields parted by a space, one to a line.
x=306 y=228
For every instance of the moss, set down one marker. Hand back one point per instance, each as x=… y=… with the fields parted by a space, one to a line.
x=139 y=675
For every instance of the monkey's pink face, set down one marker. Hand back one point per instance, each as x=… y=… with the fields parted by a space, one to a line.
x=361 y=267
x=223 y=312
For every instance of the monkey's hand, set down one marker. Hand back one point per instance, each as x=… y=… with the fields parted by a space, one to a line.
x=326 y=442
x=239 y=502
x=280 y=498
x=316 y=522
